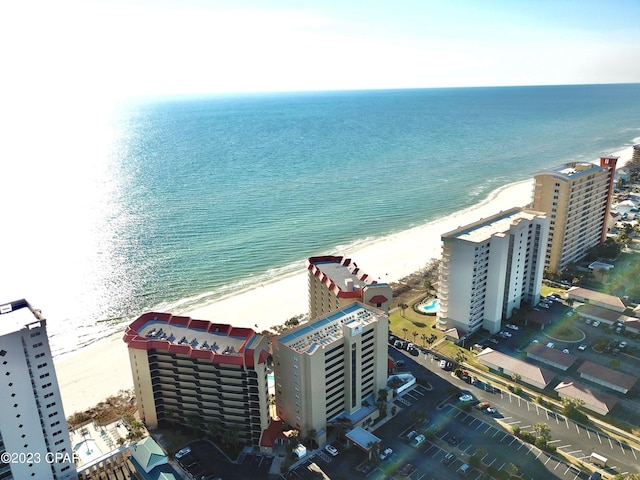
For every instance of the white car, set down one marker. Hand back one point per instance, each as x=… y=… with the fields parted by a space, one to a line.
x=582 y=347
x=596 y=323
x=550 y=345
x=566 y=350
x=332 y=450
x=511 y=326
x=386 y=454
x=506 y=334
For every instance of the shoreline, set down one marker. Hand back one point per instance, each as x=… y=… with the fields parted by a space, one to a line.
x=89 y=375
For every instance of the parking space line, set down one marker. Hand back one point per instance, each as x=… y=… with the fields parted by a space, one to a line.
x=577 y=428
x=588 y=434
x=633 y=450
x=622 y=447
x=506 y=435
x=506 y=418
x=488 y=428
x=548 y=458
x=567 y=422
x=494 y=435
x=599 y=439
x=574 y=452
x=610 y=444
x=557 y=465
x=565 y=446
x=514 y=439
x=521 y=445
x=554 y=441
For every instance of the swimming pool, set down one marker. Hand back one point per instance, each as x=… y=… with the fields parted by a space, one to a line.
x=431 y=307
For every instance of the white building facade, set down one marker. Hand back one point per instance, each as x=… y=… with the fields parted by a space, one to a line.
x=489 y=268
x=34 y=436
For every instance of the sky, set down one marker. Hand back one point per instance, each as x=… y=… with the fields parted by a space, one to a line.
x=104 y=49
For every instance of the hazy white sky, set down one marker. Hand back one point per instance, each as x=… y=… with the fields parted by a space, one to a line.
x=103 y=48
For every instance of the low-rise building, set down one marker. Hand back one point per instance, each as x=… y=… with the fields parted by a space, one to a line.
x=593 y=400
x=607 y=377
x=507 y=365
x=550 y=356
x=598 y=299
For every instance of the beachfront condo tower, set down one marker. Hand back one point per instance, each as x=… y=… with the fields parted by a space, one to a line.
x=337 y=281
x=33 y=428
x=576 y=197
x=328 y=372
x=489 y=268
x=202 y=374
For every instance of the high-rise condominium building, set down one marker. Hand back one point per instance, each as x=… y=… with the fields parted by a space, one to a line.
x=33 y=427
x=489 y=268
x=199 y=372
x=337 y=281
x=576 y=197
x=332 y=368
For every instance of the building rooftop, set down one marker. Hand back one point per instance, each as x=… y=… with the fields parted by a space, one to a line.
x=571 y=170
x=485 y=228
x=326 y=330
x=550 y=355
x=528 y=372
x=17 y=315
x=598 y=312
x=196 y=338
x=593 y=399
x=340 y=274
x=608 y=375
x=592 y=295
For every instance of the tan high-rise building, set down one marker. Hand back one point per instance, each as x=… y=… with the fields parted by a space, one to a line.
x=576 y=197
x=335 y=282
x=330 y=370
x=187 y=370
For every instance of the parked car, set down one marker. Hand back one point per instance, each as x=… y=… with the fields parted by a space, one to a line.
x=512 y=326
x=449 y=458
x=407 y=469
x=418 y=440
x=566 y=350
x=443 y=364
x=482 y=405
x=582 y=347
x=551 y=345
x=332 y=450
x=596 y=323
x=411 y=435
x=386 y=453
x=464 y=470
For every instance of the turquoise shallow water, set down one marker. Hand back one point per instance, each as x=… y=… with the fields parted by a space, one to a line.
x=196 y=197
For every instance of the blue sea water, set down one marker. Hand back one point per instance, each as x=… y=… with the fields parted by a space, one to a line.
x=195 y=197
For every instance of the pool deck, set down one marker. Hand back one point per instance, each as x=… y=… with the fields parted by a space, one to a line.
x=105 y=438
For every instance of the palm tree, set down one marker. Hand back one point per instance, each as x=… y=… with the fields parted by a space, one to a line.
x=423 y=337
x=432 y=338
x=372 y=447
x=415 y=334
x=402 y=306
x=404 y=331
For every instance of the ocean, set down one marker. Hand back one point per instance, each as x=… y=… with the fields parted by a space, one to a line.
x=169 y=203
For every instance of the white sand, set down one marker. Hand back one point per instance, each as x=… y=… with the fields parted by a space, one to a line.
x=100 y=370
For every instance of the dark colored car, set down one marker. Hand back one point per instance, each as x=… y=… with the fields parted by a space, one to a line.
x=407 y=469
x=449 y=458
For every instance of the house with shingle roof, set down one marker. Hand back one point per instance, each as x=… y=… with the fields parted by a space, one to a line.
x=507 y=365
x=593 y=400
x=598 y=299
x=607 y=377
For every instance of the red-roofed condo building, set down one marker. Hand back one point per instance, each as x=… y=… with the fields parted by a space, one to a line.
x=195 y=369
x=335 y=282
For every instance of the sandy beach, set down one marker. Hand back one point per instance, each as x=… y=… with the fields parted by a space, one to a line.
x=95 y=372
